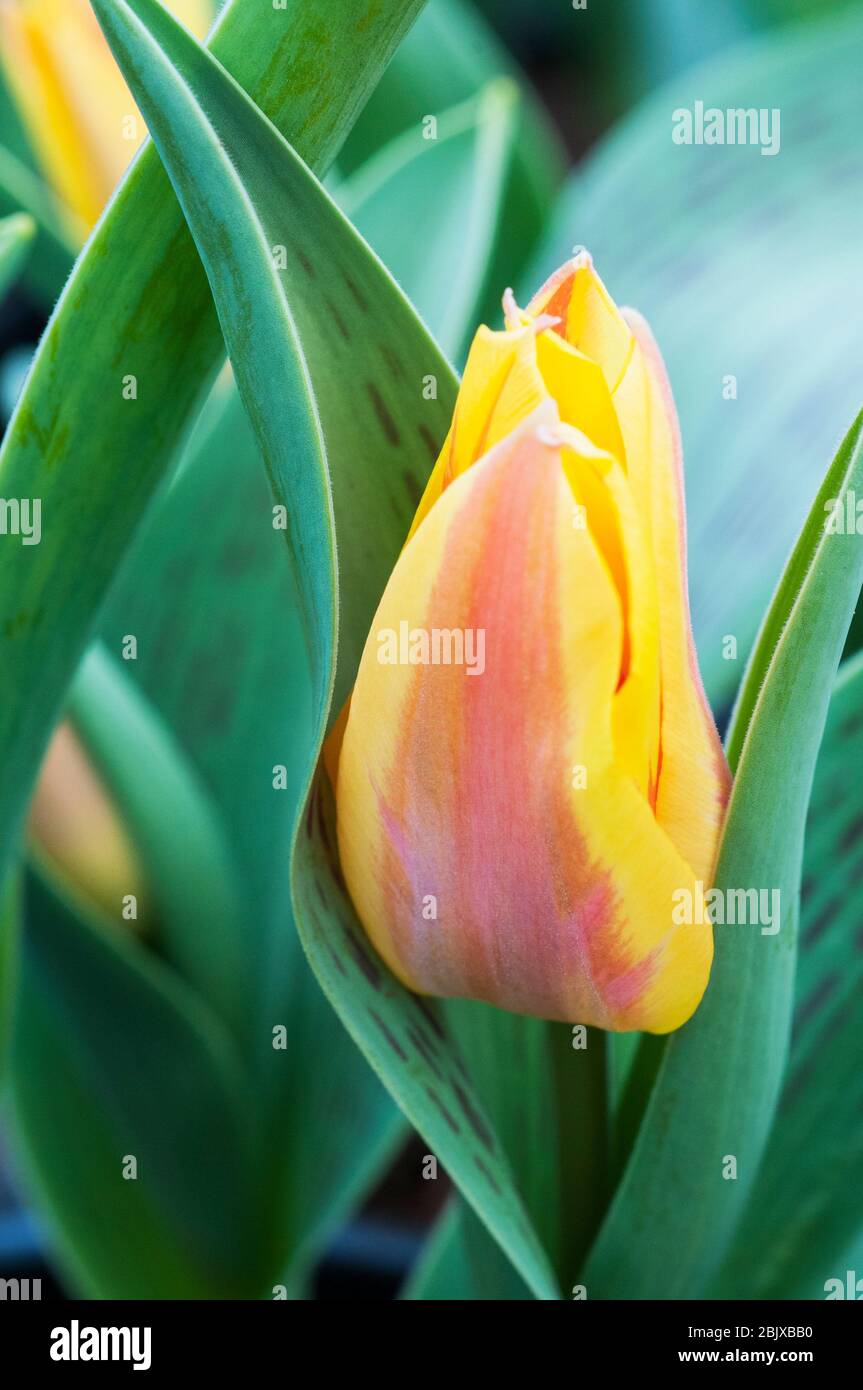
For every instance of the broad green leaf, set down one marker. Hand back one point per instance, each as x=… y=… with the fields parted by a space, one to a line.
x=16 y=234
x=114 y=1059
x=138 y=311
x=358 y=421
x=719 y=1080
x=807 y=1200
x=297 y=333
x=454 y=187
x=210 y=594
x=748 y=268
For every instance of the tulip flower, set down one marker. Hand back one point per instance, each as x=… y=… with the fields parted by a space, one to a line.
x=518 y=829
x=76 y=832
x=82 y=121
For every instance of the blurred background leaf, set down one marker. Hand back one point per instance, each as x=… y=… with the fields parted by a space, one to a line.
x=462 y=189
x=446 y=58
x=16 y=234
x=190 y=1222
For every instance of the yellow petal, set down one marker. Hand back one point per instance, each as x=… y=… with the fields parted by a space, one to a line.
x=589 y=320
x=694 y=779
x=502 y=385
x=602 y=488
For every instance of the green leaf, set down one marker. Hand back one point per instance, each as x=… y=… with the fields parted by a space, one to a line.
x=719 y=1080
x=138 y=306
x=455 y=186
x=544 y=1086
x=443 y=1273
x=113 y=1058
x=16 y=234
x=357 y=419
x=747 y=267
x=10 y=912
x=210 y=594
x=46 y=270
x=296 y=333
x=448 y=57
x=185 y=856
x=807 y=1201
x=461 y=1263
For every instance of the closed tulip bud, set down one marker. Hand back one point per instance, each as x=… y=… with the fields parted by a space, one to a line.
x=79 y=114
x=530 y=775
x=76 y=832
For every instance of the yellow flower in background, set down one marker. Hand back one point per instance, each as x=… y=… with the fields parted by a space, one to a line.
x=76 y=831
x=530 y=775
x=81 y=119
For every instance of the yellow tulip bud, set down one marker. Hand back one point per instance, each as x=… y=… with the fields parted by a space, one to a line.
x=75 y=830
x=530 y=774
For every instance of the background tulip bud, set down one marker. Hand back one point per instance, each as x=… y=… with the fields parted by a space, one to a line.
x=520 y=833
x=76 y=831
x=79 y=113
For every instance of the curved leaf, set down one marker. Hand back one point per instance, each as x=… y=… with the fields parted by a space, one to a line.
x=719 y=1080
x=339 y=329
x=807 y=1199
